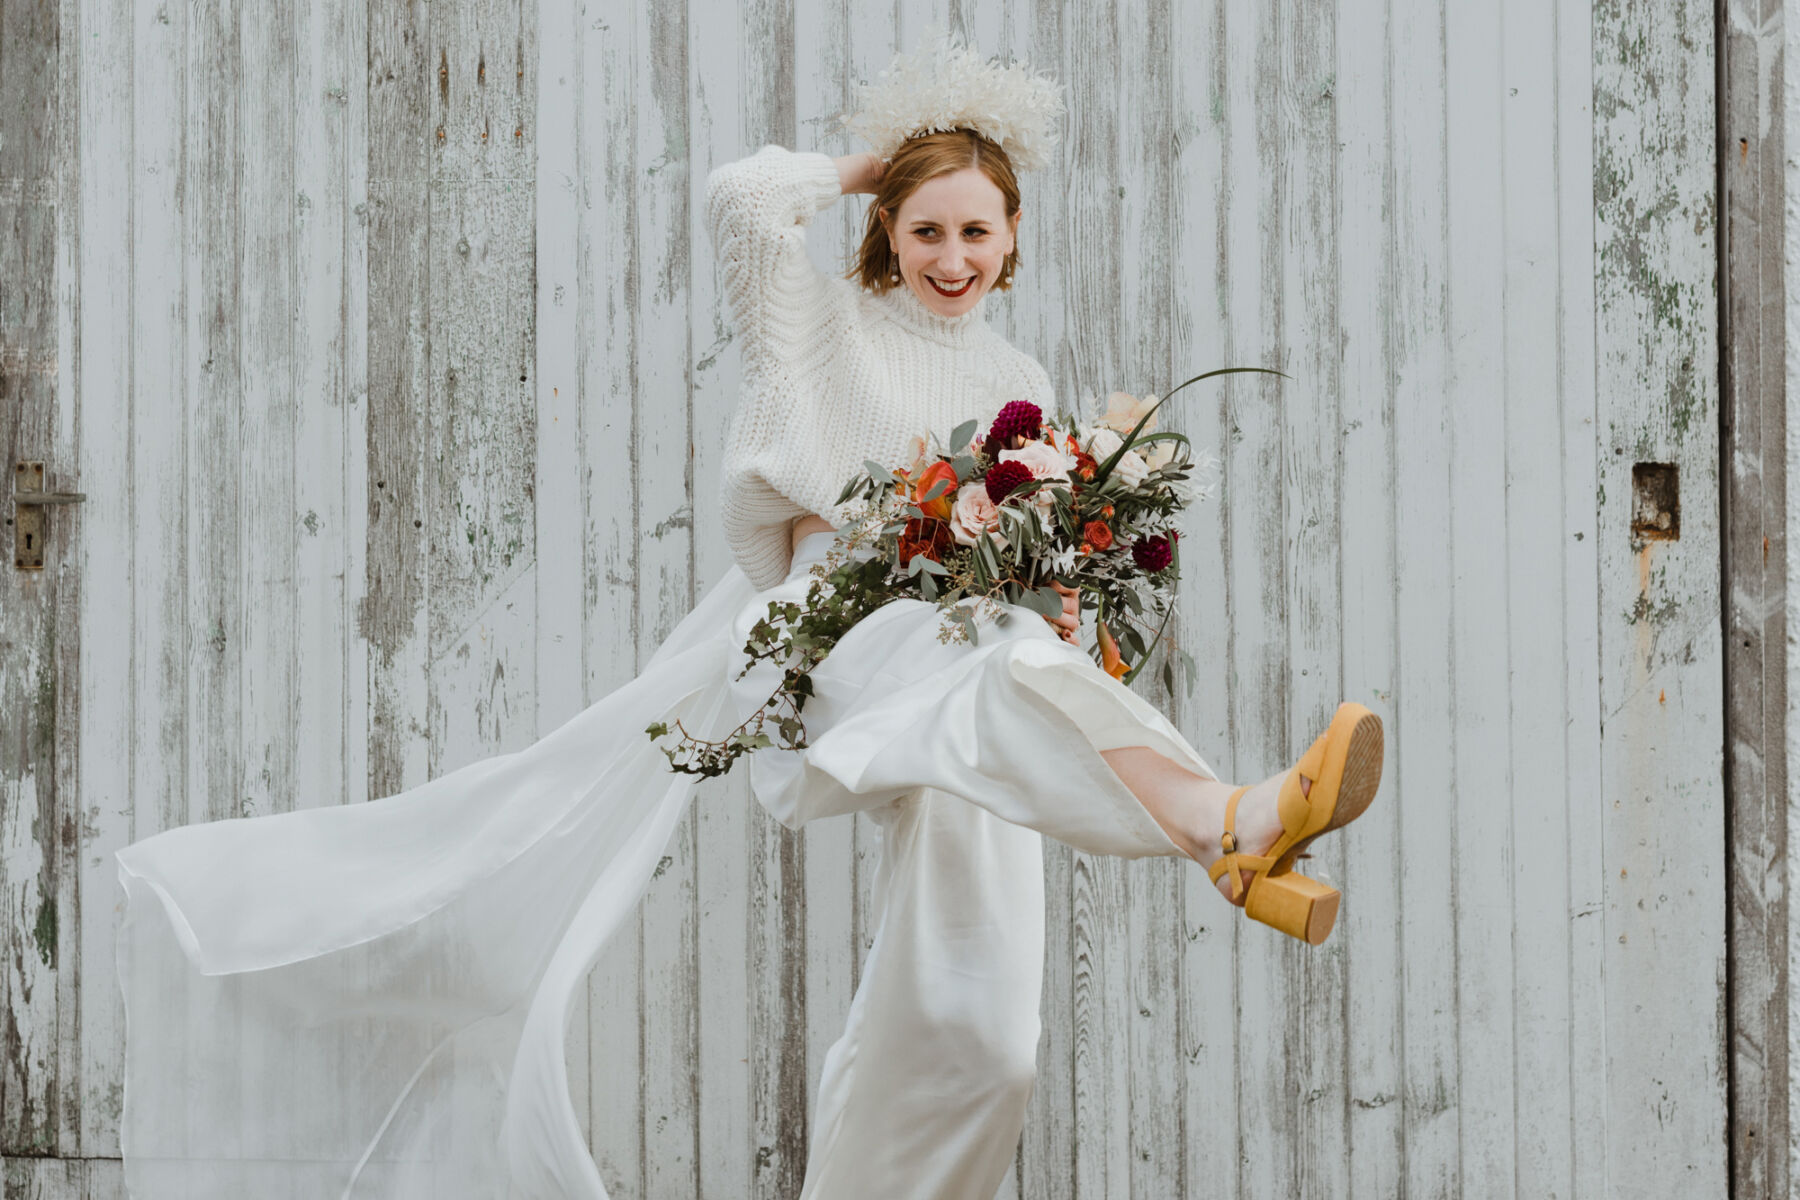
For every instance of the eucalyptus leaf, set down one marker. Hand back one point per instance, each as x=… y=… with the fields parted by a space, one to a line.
x=963 y=435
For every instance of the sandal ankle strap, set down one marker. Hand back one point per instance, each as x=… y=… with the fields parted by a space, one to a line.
x=1229 y=860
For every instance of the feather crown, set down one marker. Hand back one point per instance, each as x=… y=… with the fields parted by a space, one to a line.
x=945 y=84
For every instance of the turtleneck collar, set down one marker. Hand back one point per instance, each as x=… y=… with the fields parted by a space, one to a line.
x=901 y=306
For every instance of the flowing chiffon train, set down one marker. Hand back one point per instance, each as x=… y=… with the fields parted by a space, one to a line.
x=372 y=1000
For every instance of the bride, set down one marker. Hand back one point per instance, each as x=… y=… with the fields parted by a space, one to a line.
x=415 y=959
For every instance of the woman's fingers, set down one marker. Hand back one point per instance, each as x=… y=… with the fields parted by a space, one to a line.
x=1070 y=620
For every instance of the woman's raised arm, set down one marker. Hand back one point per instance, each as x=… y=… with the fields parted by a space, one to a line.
x=757 y=210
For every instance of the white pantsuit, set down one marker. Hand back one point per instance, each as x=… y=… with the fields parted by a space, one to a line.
x=923 y=1096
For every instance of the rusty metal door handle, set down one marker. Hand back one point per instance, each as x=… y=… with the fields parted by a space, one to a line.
x=28 y=522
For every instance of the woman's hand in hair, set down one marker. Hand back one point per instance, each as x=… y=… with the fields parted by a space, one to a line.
x=860 y=172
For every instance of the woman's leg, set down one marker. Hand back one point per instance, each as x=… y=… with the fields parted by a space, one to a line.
x=1021 y=723
x=924 y=1096
x=1191 y=808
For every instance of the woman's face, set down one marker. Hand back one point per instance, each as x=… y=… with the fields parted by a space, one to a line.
x=952 y=237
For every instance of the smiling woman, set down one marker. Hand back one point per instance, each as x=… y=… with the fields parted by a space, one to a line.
x=945 y=220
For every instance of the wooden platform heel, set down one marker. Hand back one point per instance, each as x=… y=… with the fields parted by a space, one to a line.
x=1344 y=768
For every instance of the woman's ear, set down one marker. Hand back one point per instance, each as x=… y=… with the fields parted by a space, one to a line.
x=1015 y=229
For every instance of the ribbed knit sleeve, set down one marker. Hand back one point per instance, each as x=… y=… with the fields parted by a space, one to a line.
x=757 y=210
x=783 y=309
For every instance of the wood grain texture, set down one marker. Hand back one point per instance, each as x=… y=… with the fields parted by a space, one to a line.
x=415 y=386
x=1656 y=331
x=39 y=799
x=1753 y=164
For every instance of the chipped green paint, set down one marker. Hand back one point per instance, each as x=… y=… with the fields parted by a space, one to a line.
x=1658 y=613
x=43 y=931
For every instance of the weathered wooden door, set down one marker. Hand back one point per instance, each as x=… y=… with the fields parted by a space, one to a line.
x=385 y=344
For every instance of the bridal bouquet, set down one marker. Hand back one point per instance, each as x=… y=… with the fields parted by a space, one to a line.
x=977 y=525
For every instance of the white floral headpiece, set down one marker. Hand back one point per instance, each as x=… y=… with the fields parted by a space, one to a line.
x=944 y=85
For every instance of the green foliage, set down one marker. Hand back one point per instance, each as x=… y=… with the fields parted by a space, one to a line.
x=863 y=571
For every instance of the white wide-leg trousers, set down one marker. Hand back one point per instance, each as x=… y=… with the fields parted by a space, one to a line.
x=965 y=756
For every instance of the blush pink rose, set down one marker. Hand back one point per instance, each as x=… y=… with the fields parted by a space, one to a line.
x=974 y=513
x=1043 y=460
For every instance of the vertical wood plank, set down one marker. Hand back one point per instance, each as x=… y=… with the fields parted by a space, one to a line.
x=1586 y=813
x=1480 y=633
x=39 y=907
x=612 y=636
x=126 y=745
x=779 y=1070
x=1752 y=150
x=1048 y=1144
x=480 y=419
x=1314 y=544
x=1093 y=245
x=213 y=482
x=391 y=612
x=1257 y=522
x=1208 y=1129
x=1660 y=698
x=1394 y=493
x=325 y=139
x=561 y=319
x=266 y=466
x=1536 y=664
x=267 y=524
x=662 y=424
x=723 y=811
x=1149 y=989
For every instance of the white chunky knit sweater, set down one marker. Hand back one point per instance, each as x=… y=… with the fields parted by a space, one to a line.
x=832 y=374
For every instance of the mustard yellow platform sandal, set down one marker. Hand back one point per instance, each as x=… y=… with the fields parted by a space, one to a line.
x=1344 y=767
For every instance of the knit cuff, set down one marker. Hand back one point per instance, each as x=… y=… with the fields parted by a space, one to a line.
x=815 y=175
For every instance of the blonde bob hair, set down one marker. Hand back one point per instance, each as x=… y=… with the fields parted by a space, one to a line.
x=918 y=160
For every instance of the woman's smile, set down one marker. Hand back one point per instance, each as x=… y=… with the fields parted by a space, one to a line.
x=951 y=236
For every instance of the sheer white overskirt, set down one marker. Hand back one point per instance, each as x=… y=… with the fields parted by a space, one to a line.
x=372 y=1000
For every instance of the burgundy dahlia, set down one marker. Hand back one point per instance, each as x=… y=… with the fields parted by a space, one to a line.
x=1020 y=418
x=1152 y=554
x=1002 y=478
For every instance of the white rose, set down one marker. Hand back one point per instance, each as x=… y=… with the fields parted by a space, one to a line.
x=1102 y=442
x=1131 y=469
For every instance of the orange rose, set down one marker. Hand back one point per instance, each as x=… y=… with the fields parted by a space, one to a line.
x=1109 y=653
x=938 y=509
x=1097 y=535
